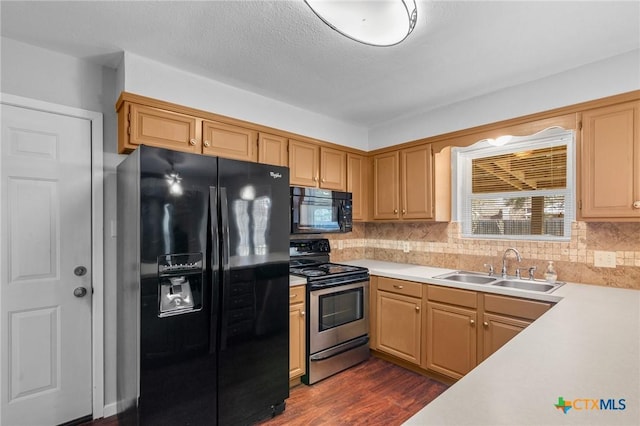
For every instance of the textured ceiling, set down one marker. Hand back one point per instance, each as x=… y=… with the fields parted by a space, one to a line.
x=281 y=50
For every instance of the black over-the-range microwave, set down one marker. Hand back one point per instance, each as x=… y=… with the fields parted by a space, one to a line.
x=320 y=211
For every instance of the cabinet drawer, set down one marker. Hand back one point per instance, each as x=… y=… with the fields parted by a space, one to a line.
x=453 y=296
x=296 y=294
x=407 y=288
x=511 y=306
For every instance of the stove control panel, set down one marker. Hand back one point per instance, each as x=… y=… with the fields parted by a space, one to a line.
x=309 y=247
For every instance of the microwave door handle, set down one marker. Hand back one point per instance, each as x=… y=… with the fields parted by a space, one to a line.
x=341 y=215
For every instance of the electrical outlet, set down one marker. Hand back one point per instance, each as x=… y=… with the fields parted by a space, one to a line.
x=405 y=247
x=604 y=259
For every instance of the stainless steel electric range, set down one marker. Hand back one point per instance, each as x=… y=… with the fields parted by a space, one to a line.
x=338 y=309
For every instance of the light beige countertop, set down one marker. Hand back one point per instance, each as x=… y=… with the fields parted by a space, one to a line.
x=585 y=349
x=295 y=280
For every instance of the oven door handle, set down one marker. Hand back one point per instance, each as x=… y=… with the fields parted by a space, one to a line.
x=337 y=350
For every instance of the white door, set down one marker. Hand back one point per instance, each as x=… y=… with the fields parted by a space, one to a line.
x=45 y=241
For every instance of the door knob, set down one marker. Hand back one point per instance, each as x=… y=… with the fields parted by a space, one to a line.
x=80 y=271
x=79 y=292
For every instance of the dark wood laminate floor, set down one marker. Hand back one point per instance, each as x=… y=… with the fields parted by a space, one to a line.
x=375 y=392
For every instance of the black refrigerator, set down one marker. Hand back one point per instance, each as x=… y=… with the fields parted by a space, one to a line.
x=203 y=289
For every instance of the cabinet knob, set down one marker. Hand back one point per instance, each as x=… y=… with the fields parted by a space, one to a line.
x=193 y=142
x=417 y=308
x=207 y=144
x=404 y=211
x=395 y=211
x=315 y=179
x=322 y=180
x=291 y=296
x=398 y=286
x=472 y=322
x=636 y=204
x=486 y=324
x=301 y=313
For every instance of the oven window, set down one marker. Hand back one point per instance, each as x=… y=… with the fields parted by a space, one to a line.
x=341 y=308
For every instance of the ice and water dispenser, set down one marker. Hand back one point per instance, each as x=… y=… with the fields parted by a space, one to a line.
x=180 y=279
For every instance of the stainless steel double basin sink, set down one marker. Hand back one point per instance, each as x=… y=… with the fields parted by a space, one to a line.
x=484 y=279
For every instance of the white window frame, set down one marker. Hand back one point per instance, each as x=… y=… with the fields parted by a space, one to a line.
x=461 y=159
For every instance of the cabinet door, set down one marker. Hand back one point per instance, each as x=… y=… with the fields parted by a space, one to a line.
x=498 y=330
x=225 y=140
x=451 y=339
x=417 y=183
x=357 y=184
x=296 y=340
x=272 y=149
x=611 y=162
x=304 y=158
x=398 y=325
x=386 y=189
x=160 y=128
x=333 y=169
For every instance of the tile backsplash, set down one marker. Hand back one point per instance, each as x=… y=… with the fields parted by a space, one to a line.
x=440 y=245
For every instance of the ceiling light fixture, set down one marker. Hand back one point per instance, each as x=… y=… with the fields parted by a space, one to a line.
x=373 y=22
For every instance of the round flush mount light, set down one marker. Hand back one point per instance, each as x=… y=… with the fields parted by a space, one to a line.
x=373 y=22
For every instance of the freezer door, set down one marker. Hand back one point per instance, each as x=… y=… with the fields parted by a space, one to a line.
x=178 y=369
x=254 y=332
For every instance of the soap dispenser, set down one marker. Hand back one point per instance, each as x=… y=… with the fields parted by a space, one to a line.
x=550 y=273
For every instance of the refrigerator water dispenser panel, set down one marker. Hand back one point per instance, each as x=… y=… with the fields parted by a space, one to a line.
x=180 y=284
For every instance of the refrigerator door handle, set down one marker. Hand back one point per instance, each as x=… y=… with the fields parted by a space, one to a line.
x=226 y=271
x=214 y=265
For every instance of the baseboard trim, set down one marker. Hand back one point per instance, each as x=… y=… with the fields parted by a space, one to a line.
x=110 y=410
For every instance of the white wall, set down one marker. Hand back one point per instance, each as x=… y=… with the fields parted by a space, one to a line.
x=156 y=80
x=612 y=76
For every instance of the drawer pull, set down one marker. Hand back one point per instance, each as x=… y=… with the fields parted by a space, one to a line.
x=291 y=296
x=398 y=286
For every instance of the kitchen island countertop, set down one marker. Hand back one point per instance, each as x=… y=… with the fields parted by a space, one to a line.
x=583 y=350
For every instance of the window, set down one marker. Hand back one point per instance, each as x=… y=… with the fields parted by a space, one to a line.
x=521 y=190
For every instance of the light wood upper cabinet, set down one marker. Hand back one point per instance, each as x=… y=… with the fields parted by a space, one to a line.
x=386 y=185
x=403 y=184
x=610 y=163
x=139 y=124
x=272 y=149
x=297 y=343
x=333 y=169
x=416 y=182
x=357 y=184
x=225 y=140
x=304 y=159
x=318 y=167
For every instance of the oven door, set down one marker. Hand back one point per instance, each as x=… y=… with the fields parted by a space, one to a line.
x=338 y=314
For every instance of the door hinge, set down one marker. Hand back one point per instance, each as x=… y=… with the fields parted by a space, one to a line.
x=579 y=204
x=579 y=125
x=129 y=130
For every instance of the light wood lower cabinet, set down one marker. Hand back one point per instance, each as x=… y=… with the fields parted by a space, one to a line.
x=442 y=329
x=297 y=341
x=451 y=331
x=398 y=318
x=497 y=330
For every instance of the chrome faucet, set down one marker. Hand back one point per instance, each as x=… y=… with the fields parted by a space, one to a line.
x=504 y=261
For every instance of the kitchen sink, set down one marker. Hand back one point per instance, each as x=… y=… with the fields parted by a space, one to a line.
x=542 y=287
x=467 y=277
